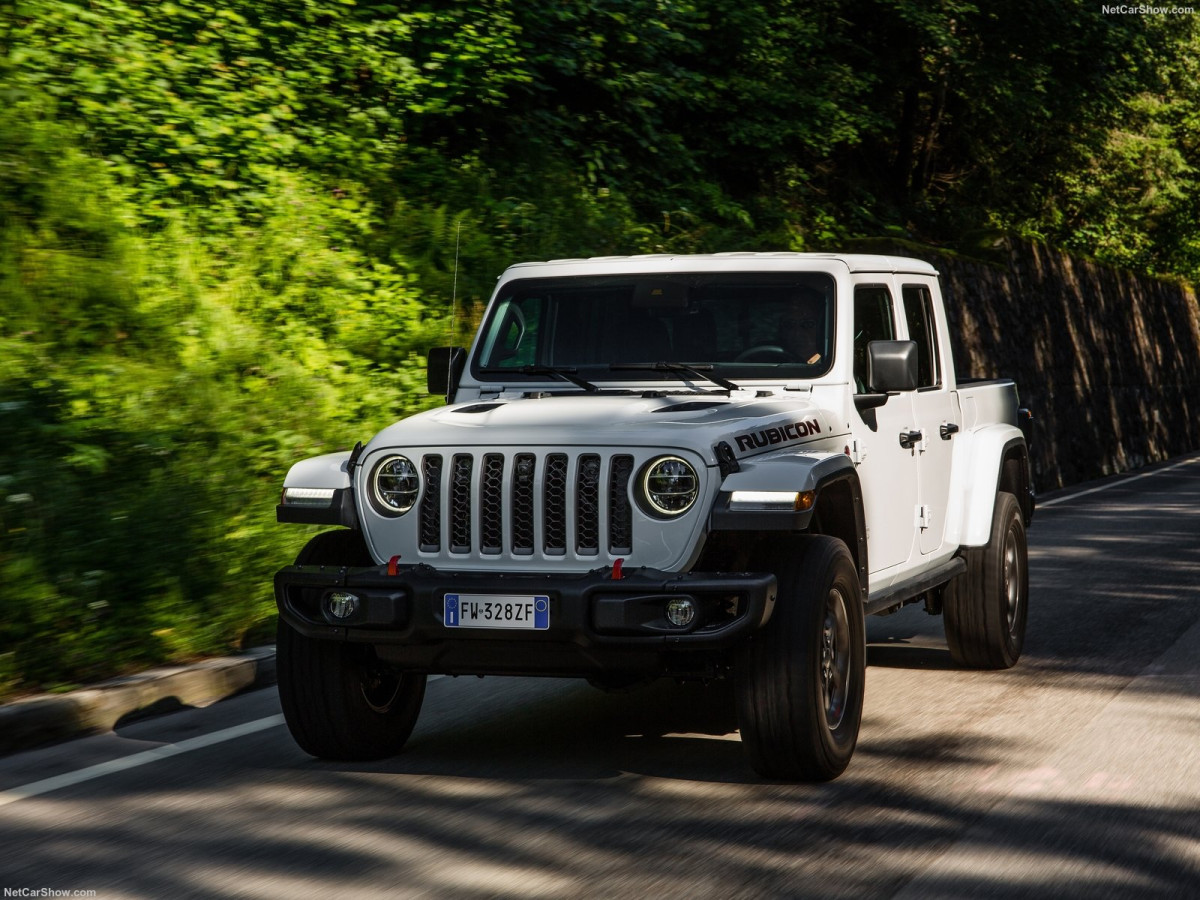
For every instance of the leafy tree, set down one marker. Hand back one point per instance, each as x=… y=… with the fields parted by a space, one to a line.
x=229 y=230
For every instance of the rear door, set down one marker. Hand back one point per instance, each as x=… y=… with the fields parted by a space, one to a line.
x=934 y=407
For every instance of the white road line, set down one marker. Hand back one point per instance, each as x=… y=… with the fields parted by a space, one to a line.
x=1114 y=484
x=69 y=779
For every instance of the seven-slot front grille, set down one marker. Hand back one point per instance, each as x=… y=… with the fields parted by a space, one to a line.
x=525 y=503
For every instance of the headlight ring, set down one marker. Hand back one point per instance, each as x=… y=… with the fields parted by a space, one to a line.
x=669 y=487
x=394 y=486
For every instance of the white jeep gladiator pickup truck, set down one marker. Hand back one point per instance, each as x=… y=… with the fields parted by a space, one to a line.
x=697 y=467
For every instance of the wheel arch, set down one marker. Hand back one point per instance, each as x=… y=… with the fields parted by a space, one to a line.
x=1016 y=477
x=329 y=473
x=986 y=462
x=836 y=509
x=340 y=547
x=838 y=512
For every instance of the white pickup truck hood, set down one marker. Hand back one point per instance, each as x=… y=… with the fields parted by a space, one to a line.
x=749 y=423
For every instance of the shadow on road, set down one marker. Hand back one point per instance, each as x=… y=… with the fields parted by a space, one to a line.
x=552 y=789
x=577 y=810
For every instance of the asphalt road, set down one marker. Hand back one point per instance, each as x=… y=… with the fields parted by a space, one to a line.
x=1075 y=774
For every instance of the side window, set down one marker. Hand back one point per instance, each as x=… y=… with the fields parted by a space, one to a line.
x=512 y=339
x=873 y=321
x=918 y=313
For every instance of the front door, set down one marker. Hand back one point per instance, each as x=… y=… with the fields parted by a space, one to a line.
x=888 y=471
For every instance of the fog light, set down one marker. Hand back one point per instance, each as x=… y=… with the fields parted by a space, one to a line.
x=341 y=605
x=681 y=611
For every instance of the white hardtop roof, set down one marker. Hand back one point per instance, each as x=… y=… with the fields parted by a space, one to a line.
x=673 y=262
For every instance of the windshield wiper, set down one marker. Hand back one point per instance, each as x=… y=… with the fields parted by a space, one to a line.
x=567 y=373
x=700 y=370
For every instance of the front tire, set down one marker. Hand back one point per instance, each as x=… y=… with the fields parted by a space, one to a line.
x=339 y=699
x=985 y=609
x=800 y=680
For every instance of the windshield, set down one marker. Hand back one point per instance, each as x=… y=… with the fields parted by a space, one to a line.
x=743 y=325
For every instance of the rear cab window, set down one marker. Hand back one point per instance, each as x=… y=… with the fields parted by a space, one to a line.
x=922 y=329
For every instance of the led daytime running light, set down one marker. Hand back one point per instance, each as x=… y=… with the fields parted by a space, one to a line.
x=316 y=498
x=790 y=501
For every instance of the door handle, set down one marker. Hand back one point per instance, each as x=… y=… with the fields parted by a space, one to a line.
x=908 y=439
x=948 y=430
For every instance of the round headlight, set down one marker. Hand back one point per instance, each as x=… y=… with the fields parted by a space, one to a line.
x=669 y=486
x=395 y=485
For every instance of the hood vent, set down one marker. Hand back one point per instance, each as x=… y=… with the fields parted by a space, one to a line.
x=478 y=408
x=691 y=406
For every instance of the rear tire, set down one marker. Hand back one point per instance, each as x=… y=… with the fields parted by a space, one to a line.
x=986 y=608
x=339 y=699
x=800 y=679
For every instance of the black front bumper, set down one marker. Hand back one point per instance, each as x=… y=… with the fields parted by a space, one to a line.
x=598 y=624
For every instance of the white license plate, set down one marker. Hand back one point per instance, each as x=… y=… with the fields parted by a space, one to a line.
x=496 y=611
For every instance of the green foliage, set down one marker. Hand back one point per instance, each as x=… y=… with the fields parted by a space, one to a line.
x=1052 y=120
x=156 y=383
x=229 y=231
x=1131 y=198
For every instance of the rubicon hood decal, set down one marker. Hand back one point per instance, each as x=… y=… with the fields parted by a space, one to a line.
x=779 y=434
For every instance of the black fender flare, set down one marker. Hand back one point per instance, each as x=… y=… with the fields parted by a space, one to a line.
x=828 y=497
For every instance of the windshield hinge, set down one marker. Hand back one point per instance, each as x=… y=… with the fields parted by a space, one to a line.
x=726 y=460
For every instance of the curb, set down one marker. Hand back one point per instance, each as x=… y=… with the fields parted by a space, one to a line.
x=35 y=721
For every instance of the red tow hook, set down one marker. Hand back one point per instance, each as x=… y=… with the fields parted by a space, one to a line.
x=392 y=563
x=616 y=575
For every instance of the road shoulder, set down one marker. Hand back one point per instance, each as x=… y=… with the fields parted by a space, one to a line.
x=46 y=718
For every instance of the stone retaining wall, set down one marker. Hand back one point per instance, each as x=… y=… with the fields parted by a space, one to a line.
x=1108 y=362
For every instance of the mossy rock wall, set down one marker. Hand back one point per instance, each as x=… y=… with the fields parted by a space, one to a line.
x=1108 y=361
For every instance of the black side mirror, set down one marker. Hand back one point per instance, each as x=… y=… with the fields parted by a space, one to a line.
x=444 y=369
x=891 y=366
